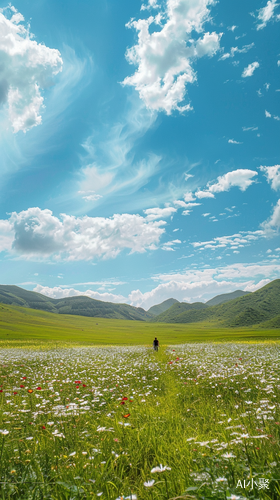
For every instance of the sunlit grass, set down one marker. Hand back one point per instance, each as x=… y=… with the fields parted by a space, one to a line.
x=98 y=421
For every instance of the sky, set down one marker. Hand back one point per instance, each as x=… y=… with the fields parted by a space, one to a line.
x=139 y=148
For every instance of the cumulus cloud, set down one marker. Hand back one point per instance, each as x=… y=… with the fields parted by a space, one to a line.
x=242 y=178
x=201 y=285
x=267 y=114
x=27 y=67
x=188 y=286
x=38 y=233
x=266 y=14
x=272 y=175
x=250 y=69
x=57 y=292
x=158 y=213
x=164 y=56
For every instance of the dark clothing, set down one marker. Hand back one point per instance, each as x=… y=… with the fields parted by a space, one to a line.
x=155 y=344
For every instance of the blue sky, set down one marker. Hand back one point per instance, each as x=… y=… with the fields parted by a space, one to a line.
x=139 y=148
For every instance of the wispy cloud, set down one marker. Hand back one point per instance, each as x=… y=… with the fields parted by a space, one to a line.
x=266 y=14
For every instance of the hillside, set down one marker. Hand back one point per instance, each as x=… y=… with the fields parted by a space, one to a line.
x=80 y=305
x=177 y=310
x=257 y=308
x=160 y=308
x=225 y=297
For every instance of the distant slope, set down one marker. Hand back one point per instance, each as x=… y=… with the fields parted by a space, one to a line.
x=225 y=297
x=177 y=310
x=14 y=295
x=160 y=308
x=257 y=308
x=80 y=305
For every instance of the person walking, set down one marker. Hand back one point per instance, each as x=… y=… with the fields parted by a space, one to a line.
x=155 y=344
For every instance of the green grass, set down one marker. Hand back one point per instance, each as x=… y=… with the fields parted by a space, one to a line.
x=19 y=324
x=210 y=413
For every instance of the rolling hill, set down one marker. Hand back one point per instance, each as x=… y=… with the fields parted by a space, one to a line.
x=225 y=297
x=79 y=305
x=257 y=308
x=160 y=308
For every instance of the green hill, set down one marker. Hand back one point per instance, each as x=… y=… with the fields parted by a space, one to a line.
x=160 y=308
x=80 y=305
x=178 y=310
x=256 y=308
x=225 y=297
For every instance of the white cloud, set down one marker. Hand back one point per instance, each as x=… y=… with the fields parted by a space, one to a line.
x=273 y=222
x=272 y=175
x=164 y=57
x=27 y=67
x=242 y=178
x=38 y=233
x=6 y=235
x=109 y=165
x=202 y=285
x=236 y=50
x=250 y=69
x=60 y=293
x=266 y=14
x=204 y=194
x=159 y=213
x=189 y=286
x=267 y=114
x=168 y=246
x=278 y=63
x=189 y=196
x=234 y=241
x=246 y=129
x=232 y=141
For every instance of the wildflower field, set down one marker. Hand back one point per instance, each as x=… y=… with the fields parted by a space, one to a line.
x=192 y=421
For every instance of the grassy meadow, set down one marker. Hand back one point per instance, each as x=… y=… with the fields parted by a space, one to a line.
x=82 y=417
x=20 y=324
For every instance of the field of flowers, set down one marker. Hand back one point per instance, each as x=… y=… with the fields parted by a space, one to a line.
x=193 y=421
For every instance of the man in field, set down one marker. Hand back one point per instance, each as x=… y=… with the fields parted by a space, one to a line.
x=155 y=344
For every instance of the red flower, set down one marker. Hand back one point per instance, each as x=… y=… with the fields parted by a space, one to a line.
x=126 y=415
x=22 y=386
x=38 y=388
x=1 y=390
x=122 y=403
x=77 y=387
x=131 y=400
x=15 y=393
x=124 y=399
x=43 y=427
x=77 y=382
x=24 y=378
x=84 y=385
